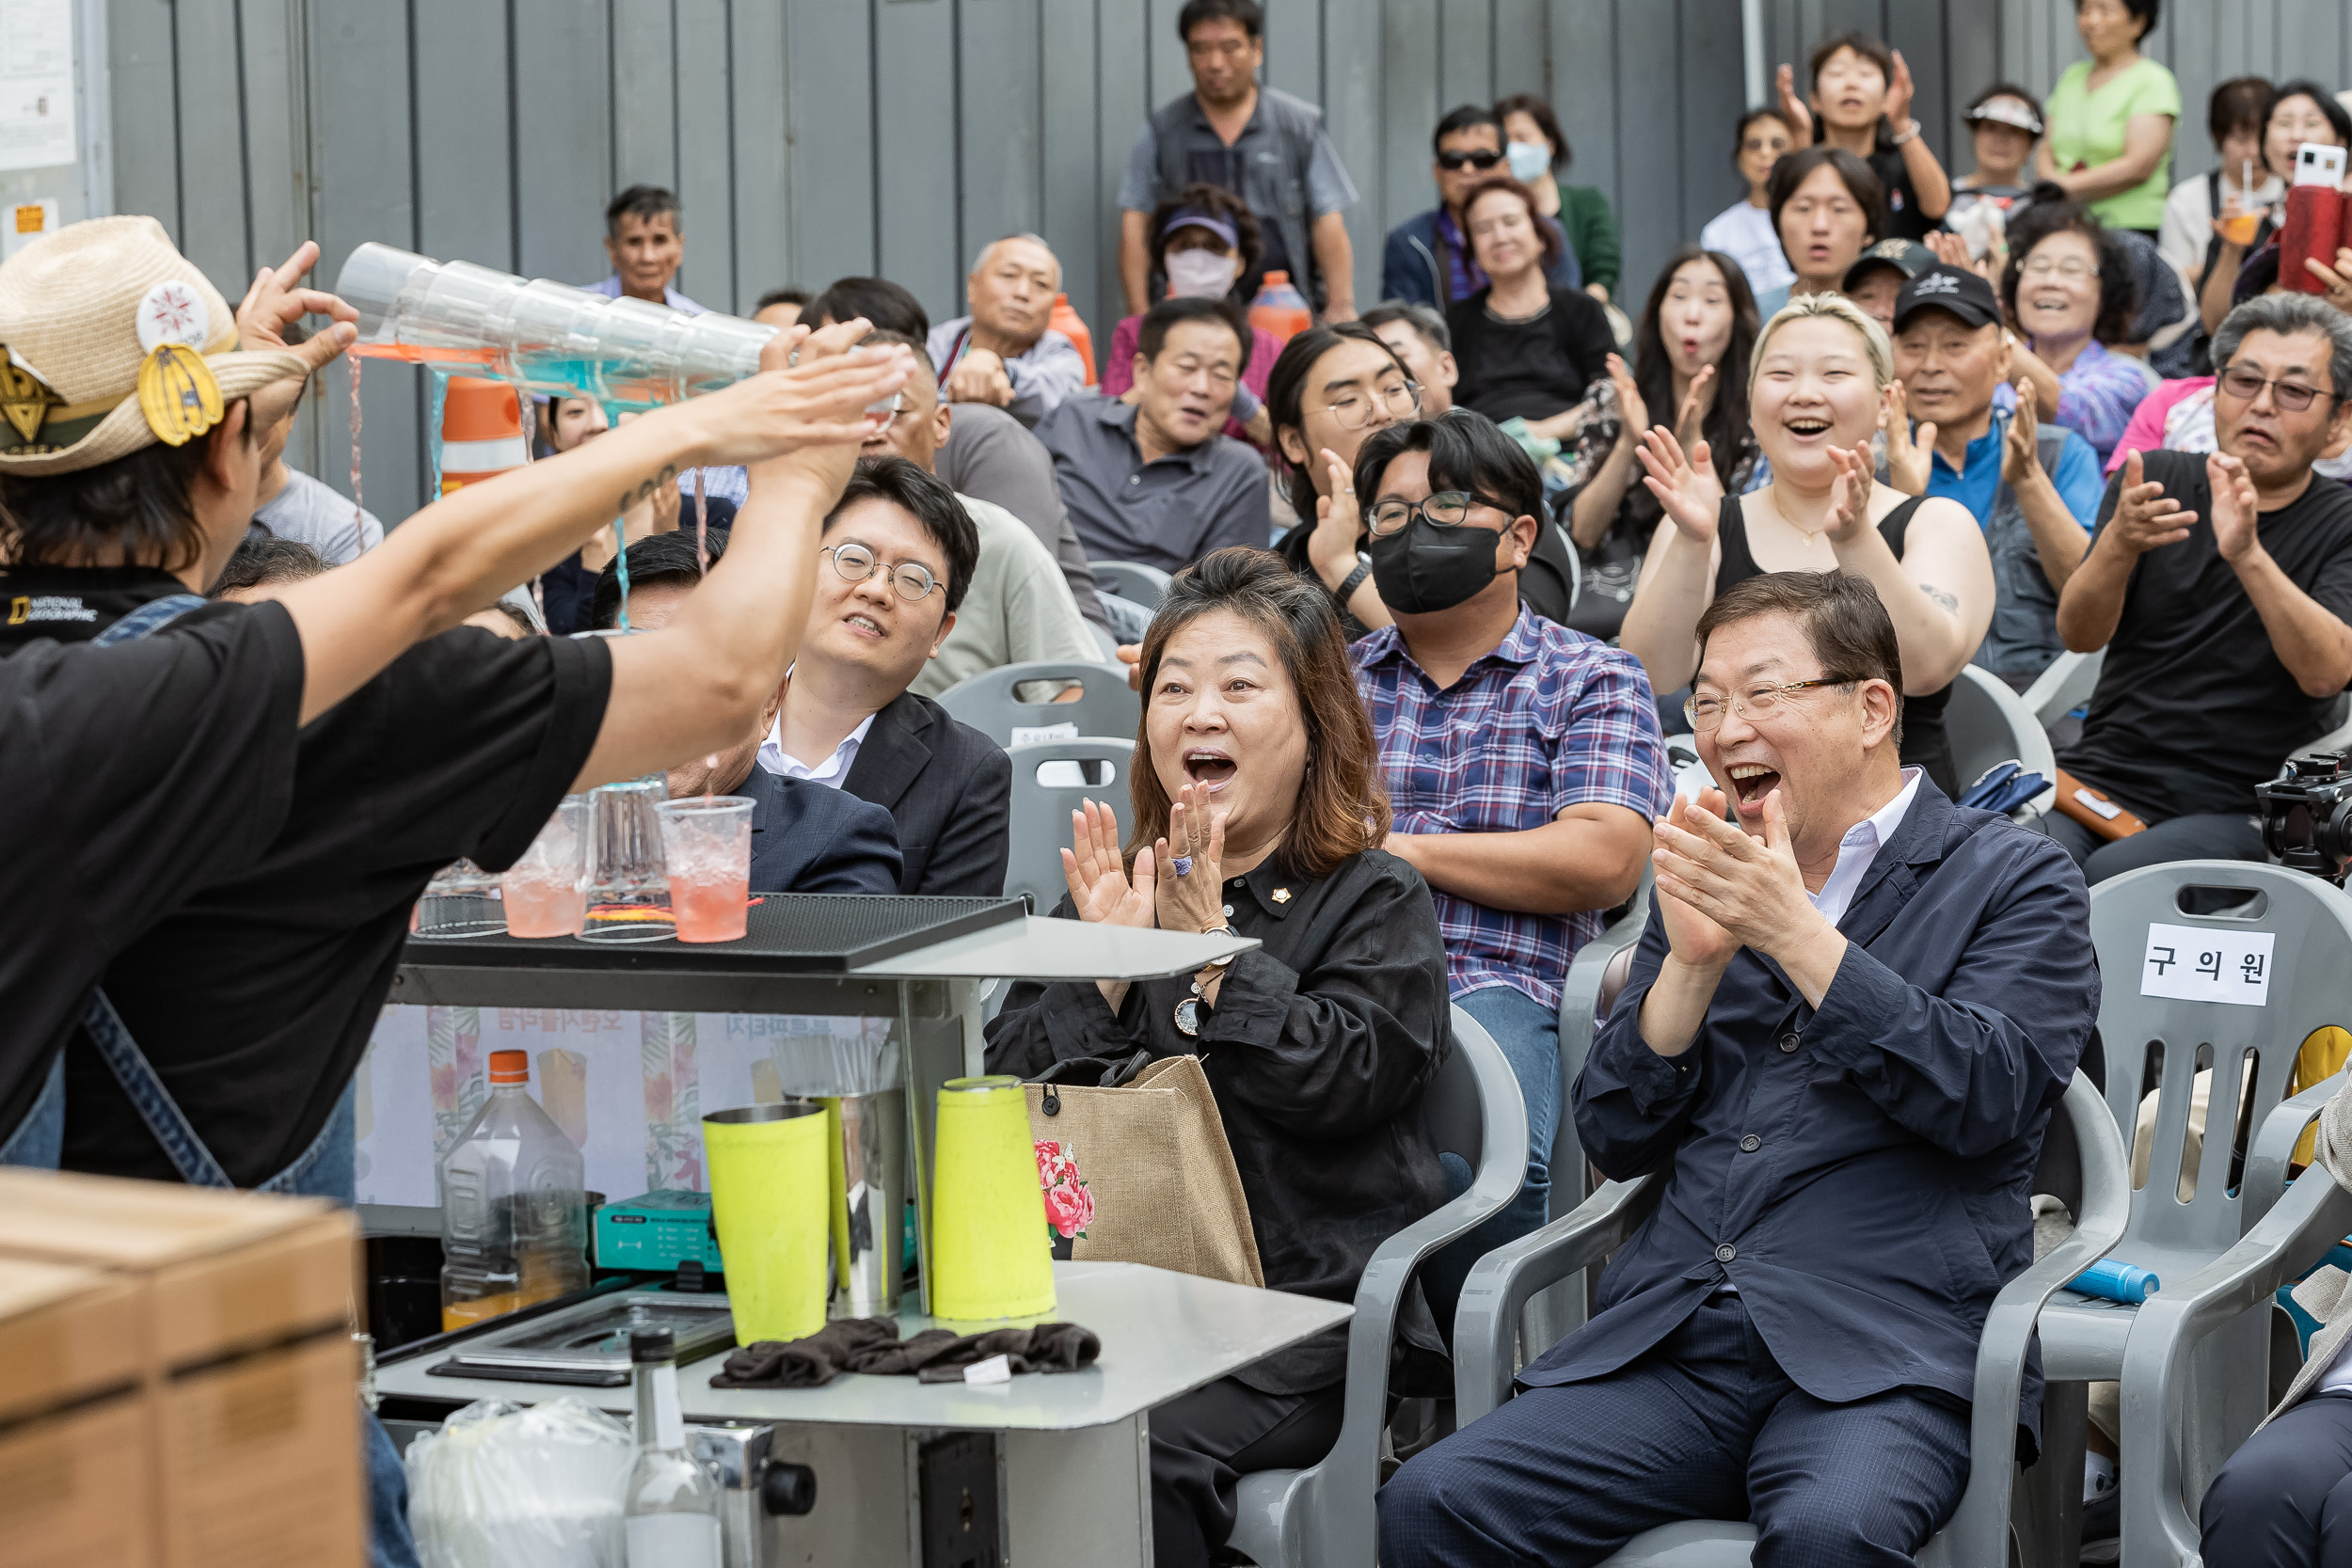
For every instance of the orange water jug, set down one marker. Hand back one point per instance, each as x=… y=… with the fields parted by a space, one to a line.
x=1280 y=309
x=1065 y=321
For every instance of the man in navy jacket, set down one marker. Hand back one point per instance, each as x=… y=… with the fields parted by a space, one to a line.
x=1846 y=1028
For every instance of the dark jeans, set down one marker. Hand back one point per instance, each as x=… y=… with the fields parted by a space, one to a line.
x=2204 y=837
x=2284 y=1500
x=1204 y=1442
x=1707 y=1426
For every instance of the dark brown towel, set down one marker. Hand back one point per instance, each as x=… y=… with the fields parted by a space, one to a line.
x=934 y=1355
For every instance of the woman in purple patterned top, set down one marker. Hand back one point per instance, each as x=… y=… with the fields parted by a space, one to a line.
x=2069 y=293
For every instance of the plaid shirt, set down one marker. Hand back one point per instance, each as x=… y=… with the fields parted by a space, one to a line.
x=1551 y=719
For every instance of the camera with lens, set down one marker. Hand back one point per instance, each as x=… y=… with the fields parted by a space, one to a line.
x=2307 y=814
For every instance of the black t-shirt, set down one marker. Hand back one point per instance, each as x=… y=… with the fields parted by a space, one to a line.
x=73 y=604
x=129 y=777
x=1904 y=221
x=2193 y=708
x=255 y=999
x=1533 y=368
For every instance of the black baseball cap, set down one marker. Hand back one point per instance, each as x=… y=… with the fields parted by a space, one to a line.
x=1908 y=257
x=1953 y=288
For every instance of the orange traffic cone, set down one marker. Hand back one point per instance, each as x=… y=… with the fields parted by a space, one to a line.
x=482 y=431
x=1066 y=321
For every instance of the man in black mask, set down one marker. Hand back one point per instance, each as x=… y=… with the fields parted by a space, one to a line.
x=1523 y=758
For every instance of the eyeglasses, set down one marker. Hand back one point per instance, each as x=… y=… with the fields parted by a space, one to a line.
x=856 y=563
x=1445 y=508
x=2073 y=269
x=1402 y=398
x=2246 y=385
x=1454 y=163
x=1706 y=713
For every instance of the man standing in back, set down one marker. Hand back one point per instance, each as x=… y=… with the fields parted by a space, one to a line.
x=646 y=237
x=1004 y=353
x=1426 y=260
x=1266 y=147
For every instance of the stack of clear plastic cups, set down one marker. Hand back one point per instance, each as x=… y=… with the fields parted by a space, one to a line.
x=627 y=882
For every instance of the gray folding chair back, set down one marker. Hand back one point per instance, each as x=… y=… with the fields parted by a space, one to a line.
x=2235 y=995
x=1131 y=580
x=989 y=702
x=1990 y=724
x=2082 y=1161
x=2064 y=686
x=1040 y=809
x=1323 y=1516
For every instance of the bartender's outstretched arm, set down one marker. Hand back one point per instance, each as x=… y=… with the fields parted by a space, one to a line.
x=458 y=555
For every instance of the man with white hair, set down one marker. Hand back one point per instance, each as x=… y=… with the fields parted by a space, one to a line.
x=1004 y=352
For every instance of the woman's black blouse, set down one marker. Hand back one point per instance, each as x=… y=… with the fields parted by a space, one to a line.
x=1319 y=1049
x=1533 y=368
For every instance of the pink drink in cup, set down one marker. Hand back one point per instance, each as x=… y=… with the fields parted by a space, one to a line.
x=542 y=890
x=706 y=850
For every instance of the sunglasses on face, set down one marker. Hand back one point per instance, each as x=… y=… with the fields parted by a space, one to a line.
x=2246 y=384
x=1456 y=162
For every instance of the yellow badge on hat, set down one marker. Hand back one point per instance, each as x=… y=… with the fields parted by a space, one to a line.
x=177 y=392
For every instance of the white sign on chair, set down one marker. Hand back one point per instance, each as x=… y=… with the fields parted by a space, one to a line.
x=2196 y=963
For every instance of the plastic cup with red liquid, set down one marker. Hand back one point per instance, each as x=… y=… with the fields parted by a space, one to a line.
x=707 y=846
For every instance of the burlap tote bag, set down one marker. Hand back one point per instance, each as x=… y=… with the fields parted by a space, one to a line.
x=1141 y=1173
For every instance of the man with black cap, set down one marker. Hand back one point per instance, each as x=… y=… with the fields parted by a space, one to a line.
x=2034 y=488
x=1880 y=272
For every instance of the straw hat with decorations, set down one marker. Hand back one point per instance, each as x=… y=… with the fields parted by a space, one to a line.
x=110 y=340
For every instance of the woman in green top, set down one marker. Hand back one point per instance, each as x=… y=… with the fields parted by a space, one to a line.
x=2112 y=118
x=1535 y=149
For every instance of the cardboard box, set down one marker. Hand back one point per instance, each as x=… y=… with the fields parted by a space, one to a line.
x=72 y=1492
x=232 y=1310
x=66 y=1333
x=261 y=1462
x=218 y=1272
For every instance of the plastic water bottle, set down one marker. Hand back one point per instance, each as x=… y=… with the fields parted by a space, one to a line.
x=670 y=1514
x=1280 y=308
x=2116 y=1280
x=513 y=1206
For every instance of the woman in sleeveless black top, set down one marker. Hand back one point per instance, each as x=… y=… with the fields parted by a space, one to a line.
x=1820 y=379
x=1924 y=744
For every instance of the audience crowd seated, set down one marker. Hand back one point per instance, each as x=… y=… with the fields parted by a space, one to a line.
x=1153 y=481
x=806 y=838
x=1258 y=811
x=1522 y=759
x=1440 y=575
x=1819 y=373
x=900 y=553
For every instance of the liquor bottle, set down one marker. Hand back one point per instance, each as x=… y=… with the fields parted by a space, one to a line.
x=669 y=1515
x=514 y=1205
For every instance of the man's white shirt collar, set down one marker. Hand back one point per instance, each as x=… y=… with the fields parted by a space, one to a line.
x=835 y=768
x=1859 y=847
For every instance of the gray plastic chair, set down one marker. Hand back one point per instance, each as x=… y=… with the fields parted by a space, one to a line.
x=1040 y=809
x=1556 y=1313
x=2082 y=1162
x=2161 y=1530
x=1104 y=706
x=1323 y=1517
x=2065 y=686
x=1131 y=580
x=2161 y=1043
x=1989 y=725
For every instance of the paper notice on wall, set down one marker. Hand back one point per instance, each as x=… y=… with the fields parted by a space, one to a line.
x=35 y=84
x=23 y=222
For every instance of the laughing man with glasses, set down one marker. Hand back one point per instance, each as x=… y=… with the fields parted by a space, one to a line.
x=2222 y=588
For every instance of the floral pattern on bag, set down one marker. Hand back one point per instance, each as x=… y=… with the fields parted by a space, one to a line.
x=1069 y=1203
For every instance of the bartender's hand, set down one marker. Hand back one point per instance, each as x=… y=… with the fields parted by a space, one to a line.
x=277 y=300
x=1196 y=900
x=820 y=402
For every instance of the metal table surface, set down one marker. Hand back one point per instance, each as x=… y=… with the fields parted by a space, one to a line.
x=1163 y=1335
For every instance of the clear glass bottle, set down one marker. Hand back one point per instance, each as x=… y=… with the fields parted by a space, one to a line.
x=670 y=1515
x=514 y=1205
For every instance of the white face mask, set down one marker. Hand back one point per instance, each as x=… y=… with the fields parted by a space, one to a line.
x=1200 y=273
x=1528 y=160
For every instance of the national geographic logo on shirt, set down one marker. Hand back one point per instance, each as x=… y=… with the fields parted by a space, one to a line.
x=27 y=608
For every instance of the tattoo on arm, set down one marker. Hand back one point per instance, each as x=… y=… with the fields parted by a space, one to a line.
x=630 y=498
x=1949 y=601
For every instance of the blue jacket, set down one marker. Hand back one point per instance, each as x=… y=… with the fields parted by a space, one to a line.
x=808 y=837
x=1887 y=1200
x=1410 y=269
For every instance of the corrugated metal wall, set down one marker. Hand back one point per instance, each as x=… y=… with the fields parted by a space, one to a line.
x=814 y=138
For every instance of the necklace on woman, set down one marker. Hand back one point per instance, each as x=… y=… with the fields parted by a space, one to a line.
x=1771 y=492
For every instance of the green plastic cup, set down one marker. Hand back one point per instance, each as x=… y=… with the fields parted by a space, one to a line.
x=767 y=1187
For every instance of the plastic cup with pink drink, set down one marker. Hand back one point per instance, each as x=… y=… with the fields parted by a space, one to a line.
x=542 y=890
x=707 y=846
